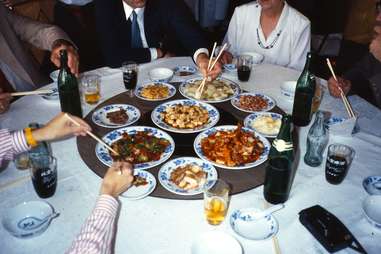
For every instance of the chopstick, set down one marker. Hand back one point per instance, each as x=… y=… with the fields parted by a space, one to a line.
x=32 y=92
x=347 y=105
x=274 y=238
x=92 y=135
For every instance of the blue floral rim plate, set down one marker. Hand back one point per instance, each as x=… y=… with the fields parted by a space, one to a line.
x=249 y=120
x=372 y=185
x=104 y=155
x=157 y=118
x=270 y=102
x=165 y=171
x=234 y=86
x=142 y=191
x=184 y=68
x=171 y=89
x=230 y=67
x=99 y=116
x=262 y=158
x=243 y=223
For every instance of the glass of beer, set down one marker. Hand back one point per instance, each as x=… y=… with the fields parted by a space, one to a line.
x=339 y=159
x=91 y=89
x=244 y=65
x=44 y=174
x=216 y=200
x=130 y=76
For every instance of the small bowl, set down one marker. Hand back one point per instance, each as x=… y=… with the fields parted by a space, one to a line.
x=372 y=209
x=372 y=185
x=28 y=219
x=184 y=70
x=257 y=58
x=54 y=75
x=216 y=242
x=287 y=89
x=160 y=75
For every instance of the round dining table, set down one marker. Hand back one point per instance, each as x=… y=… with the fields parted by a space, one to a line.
x=155 y=225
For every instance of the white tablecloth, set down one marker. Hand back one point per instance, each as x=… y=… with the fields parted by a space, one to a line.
x=155 y=225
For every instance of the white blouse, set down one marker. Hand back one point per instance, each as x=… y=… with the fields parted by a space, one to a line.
x=287 y=45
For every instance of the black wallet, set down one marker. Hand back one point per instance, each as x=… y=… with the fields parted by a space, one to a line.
x=328 y=229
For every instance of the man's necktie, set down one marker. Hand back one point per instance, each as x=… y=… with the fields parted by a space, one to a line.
x=136 y=40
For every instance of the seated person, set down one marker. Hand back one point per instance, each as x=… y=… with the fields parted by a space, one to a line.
x=20 y=141
x=365 y=77
x=271 y=28
x=19 y=67
x=145 y=30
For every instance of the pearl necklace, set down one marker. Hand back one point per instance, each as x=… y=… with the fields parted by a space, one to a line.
x=272 y=44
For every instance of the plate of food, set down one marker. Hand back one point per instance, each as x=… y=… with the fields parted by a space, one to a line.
x=187 y=175
x=143 y=146
x=232 y=147
x=184 y=70
x=185 y=116
x=116 y=115
x=215 y=91
x=144 y=183
x=157 y=91
x=253 y=102
x=266 y=123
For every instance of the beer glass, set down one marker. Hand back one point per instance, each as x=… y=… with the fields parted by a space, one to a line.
x=91 y=89
x=339 y=159
x=130 y=76
x=216 y=202
x=244 y=65
x=44 y=174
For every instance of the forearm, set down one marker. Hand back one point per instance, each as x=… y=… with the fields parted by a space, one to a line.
x=97 y=233
x=11 y=144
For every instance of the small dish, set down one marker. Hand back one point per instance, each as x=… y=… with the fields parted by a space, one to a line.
x=250 y=108
x=100 y=116
x=287 y=89
x=184 y=70
x=54 y=75
x=216 y=242
x=269 y=130
x=165 y=171
x=28 y=219
x=372 y=185
x=171 y=91
x=54 y=95
x=160 y=74
x=142 y=191
x=232 y=68
x=372 y=209
x=244 y=224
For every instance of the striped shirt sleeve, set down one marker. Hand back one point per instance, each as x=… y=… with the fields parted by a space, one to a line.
x=11 y=144
x=98 y=231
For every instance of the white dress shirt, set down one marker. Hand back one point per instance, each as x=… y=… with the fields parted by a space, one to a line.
x=140 y=14
x=289 y=50
x=76 y=2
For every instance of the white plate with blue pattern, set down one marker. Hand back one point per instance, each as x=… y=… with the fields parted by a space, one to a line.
x=100 y=116
x=249 y=120
x=244 y=224
x=270 y=102
x=157 y=118
x=372 y=185
x=171 y=91
x=184 y=69
x=165 y=171
x=104 y=155
x=262 y=158
x=142 y=191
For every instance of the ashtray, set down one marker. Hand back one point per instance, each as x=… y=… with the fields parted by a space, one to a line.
x=216 y=242
x=245 y=224
x=372 y=185
x=28 y=219
x=372 y=209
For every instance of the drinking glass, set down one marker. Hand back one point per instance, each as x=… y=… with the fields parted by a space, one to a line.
x=44 y=174
x=130 y=76
x=339 y=159
x=22 y=161
x=91 y=89
x=216 y=202
x=244 y=65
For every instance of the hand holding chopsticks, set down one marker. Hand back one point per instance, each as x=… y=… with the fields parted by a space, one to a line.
x=347 y=105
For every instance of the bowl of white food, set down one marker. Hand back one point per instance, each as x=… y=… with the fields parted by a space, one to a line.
x=160 y=74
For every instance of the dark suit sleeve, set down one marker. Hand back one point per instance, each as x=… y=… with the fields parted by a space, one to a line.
x=113 y=35
x=361 y=70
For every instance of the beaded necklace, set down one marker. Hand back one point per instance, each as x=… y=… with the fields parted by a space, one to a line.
x=272 y=44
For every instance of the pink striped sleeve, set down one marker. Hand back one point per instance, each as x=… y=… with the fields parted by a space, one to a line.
x=97 y=233
x=11 y=144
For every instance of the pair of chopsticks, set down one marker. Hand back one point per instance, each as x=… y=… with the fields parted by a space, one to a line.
x=210 y=67
x=32 y=92
x=347 y=105
x=95 y=137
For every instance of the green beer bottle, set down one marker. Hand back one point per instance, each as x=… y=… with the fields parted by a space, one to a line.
x=68 y=88
x=304 y=94
x=280 y=170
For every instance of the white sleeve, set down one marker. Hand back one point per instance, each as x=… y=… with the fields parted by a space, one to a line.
x=302 y=45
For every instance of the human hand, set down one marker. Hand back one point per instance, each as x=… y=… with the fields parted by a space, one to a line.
x=72 y=56
x=226 y=57
x=375 y=47
x=5 y=99
x=203 y=62
x=118 y=179
x=334 y=86
x=59 y=127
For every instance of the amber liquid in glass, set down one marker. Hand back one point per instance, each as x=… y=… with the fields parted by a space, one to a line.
x=92 y=97
x=215 y=210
